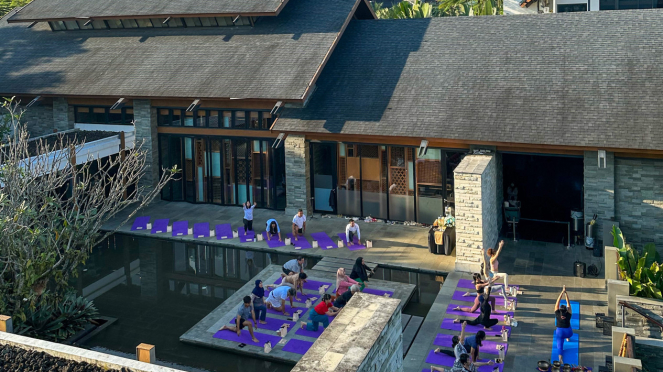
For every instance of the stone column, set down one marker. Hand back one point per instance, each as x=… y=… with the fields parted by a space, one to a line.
x=145 y=120
x=476 y=209
x=297 y=175
x=63 y=115
x=599 y=190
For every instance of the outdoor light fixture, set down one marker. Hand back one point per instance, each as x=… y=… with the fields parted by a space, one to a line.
x=87 y=22
x=603 y=159
x=35 y=101
x=236 y=19
x=166 y=21
x=193 y=106
x=423 y=148
x=119 y=104
x=278 y=141
x=32 y=24
x=278 y=107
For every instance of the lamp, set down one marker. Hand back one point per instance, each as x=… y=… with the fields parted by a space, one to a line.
x=194 y=105
x=278 y=141
x=423 y=148
x=603 y=159
x=119 y=104
x=278 y=107
x=35 y=101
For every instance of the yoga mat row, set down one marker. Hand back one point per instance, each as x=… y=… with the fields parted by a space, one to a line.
x=224 y=231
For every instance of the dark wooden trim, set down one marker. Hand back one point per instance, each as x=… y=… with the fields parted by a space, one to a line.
x=115 y=97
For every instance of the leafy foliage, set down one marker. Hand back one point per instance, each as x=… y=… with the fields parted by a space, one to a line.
x=7 y=5
x=443 y=8
x=643 y=270
x=404 y=10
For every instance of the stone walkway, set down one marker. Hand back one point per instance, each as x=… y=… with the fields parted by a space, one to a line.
x=394 y=246
x=540 y=269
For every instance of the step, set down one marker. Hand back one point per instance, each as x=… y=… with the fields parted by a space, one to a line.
x=410 y=332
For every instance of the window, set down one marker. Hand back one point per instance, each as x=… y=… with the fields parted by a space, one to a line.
x=240 y=119
x=129 y=23
x=99 y=115
x=82 y=26
x=267 y=119
x=99 y=24
x=254 y=121
x=114 y=23
x=152 y=22
x=176 y=118
x=103 y=115
x=215 y=118
x=115 y=116
x=201 y=120
x=565 y=8
x=144 y=22
x=71 y=25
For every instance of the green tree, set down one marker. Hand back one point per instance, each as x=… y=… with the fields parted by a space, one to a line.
x=404 y=10
x=7 y=5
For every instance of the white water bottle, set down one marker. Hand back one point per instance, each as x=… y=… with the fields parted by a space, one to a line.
x=268 y=346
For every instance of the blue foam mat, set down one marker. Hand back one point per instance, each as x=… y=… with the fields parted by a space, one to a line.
x=570 y=352
x=575 y=318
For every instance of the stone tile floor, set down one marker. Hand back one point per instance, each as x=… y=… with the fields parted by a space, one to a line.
x=398 y=246
x=540 y=269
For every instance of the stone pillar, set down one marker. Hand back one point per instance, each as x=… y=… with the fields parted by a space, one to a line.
x=476 y=209
x=63 y=115
x=297 y=175
x=599 y=189
x=38 y=119
x=617 y=337
x=611 y=260
x=145 y=121
x=621 y=364
x=499 y=185
x=616 y=288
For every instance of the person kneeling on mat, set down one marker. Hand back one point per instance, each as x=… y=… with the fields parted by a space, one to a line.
x=277 y=297
x=295 y=281
x=273 y=229
x=320 y=314
x=244 y=312
x=563 y=316
x=352 y=230
x=296 y=265
x=343 y=299
x=473 y=343
x=466 y=365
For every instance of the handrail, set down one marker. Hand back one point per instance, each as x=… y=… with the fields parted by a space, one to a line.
x=656 y=322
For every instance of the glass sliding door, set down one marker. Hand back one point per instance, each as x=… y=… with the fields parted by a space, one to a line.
x=374 y=180
x=323 y=163
x=348 y=190
x=229 y=172
x=401 y=183
x=171 y=155
x=201 y=169
x=243 y=151
x=189 y=171
x=216 y=162
x=430 y=186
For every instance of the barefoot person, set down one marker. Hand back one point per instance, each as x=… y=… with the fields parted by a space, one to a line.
x=295 y=281
x=258 y=302
x=343 y=299
x=343 y=282
x=352 y=230
x=294 y=266
x=273 y=229
x=277 y=297
x=473 y=343
x=466 y=365
x=457 y=343
x=298 y=225
x=248 y=216
x=495 y=263
x=244 y=312
x=360 y=272
x=484 y=317
x=480 y=285
x=564 y=331
x=320 y=314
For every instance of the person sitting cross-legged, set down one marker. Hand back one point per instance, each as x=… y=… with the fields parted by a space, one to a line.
x=244 y=312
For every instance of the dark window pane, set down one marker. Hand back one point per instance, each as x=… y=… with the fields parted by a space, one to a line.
x=188 y=119
x=115 y=23
x=99 y=25
x=82 y=114
x=58 y=25
x=158 y=22
x=565 y=8
x=607 y=4
x=659 y=4
x=254 y=122
x=645 y=4
x=267 y=119
x=240 y=119
x=163 y=117
x=628 y=4
x=129 y=23
x=99 y=115
x=144 y=22
x=128 y=116
x=71 y=25
x=115 y=117
x=177 y=118
x=213 y=120
x=200 y=119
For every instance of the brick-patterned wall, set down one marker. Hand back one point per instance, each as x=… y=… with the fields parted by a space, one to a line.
x=297 y=175
x=39 y=119
x=63 y=115
x=475 y=188
x=639 y=200
x=599 y=189
x=499 y=184
x=643 y=328
x=145 y=120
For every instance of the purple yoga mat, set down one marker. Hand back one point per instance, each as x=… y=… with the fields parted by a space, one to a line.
x=445 y=360
x=224 y=231
x=181 y=228
x=300 y=298
x=312 y=285
x=377 y=292
x=489 y=347
x=245 y=238
x=297 y=346
x=302 y=243
x=324 y=241
x=499 y=300
x=273 y=324
x=289 y=309
x=245 y=337
x=470 y=329
x=467 y=284
x=140 y=223
x=307 y=333
x=274 y=242
x=355 y=241
x=201 y=230
x=160 y=226
x=497 y=314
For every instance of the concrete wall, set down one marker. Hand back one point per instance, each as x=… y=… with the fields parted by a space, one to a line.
x=639 y=200
x=366 y=336
x=297 y=175
x=599 y=189
x=475 y=188
x=80 y=355
x=642 y=327
x=39 y=119
x=145 y=118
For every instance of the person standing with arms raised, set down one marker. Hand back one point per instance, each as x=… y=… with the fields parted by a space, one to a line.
x=298 y=225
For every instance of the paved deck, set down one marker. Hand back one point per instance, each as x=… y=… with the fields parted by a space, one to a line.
x=202 y=332
x=395 y=246
x=540 y=269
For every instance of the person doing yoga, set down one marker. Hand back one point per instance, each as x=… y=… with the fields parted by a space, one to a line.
x=320 y=314
x=277 y=297
x=295 y=281
x=273 y=229
x=495 y=263
x=343 y=282
x=244 y=312
x=473 y=343
x=563 y=316
x=480 y=285
x=466 y=365
x=258 y=302
x=360 y=272
x=457 y=343
x=484 y=316
x=491 y=280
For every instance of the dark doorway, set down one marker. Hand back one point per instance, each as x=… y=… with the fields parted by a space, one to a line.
x=323 y=168
x=549 y=187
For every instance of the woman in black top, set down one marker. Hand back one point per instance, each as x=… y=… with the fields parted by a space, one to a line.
x=563 y=316
x=360 y=272
x=484 y=317
x=479 y=285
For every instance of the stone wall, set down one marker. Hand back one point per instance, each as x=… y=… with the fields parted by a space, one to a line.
x=599 y=186
x=499 y=183
x=63 y=115
x=475 y=186
x=639 y=200
x=297 y=175
x=39 y=119
x=367 y=336
x=145 y=120
x=643 y=328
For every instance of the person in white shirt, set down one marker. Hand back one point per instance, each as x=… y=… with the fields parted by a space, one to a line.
x=298 y=225
x=352 y=230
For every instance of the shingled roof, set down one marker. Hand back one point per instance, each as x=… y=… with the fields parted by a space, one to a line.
x=278 y=58
x=71 y=9
x=589 y=79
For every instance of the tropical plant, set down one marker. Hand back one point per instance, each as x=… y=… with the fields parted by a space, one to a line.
x=404 y=10
x=643 y=270
x=7 y=5
x=454 y=8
